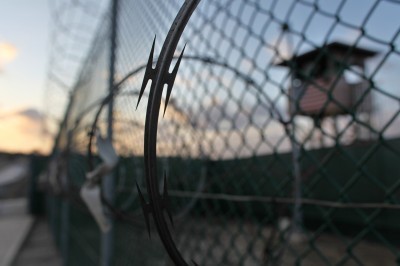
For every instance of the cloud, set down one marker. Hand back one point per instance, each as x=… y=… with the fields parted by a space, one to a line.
x=32 y=114
x=8 y=53
x=22 y=131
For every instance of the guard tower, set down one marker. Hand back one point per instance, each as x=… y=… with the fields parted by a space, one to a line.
x=320 y=85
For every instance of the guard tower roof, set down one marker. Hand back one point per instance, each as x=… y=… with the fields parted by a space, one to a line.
x=332 y=48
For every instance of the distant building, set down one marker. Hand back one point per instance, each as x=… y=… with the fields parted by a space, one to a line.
x=320 y=85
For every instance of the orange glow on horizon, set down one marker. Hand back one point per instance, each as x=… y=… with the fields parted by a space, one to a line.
x=23 y=134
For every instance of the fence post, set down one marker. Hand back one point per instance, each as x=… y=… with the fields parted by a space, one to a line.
x=107 y=243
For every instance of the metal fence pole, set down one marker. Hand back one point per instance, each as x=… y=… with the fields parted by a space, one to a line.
x=107 y=243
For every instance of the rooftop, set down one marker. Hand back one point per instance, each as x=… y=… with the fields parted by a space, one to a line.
x=334 y=47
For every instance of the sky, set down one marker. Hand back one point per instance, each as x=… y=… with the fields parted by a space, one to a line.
x=26 y=45
x=24 y=36
x=29 y=49
x=24 y=42
x=380 y=29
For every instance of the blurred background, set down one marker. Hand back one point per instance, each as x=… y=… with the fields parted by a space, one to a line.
x=43 y=43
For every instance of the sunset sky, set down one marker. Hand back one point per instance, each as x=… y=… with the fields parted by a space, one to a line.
x=24 y=31
x=25 y=50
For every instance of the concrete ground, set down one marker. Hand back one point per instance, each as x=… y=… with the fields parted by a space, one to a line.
x=39 y=248
x=24 y=240
x=15 y=225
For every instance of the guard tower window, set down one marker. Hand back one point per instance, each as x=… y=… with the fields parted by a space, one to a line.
x=353 y=74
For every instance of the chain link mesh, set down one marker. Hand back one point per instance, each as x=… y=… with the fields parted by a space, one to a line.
x=280 y=142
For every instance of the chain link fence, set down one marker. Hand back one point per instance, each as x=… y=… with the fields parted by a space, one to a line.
x=279 y=144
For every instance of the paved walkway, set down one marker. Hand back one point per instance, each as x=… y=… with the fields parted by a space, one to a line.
x=15 y=225
x=39 y=248
x=24 y=240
